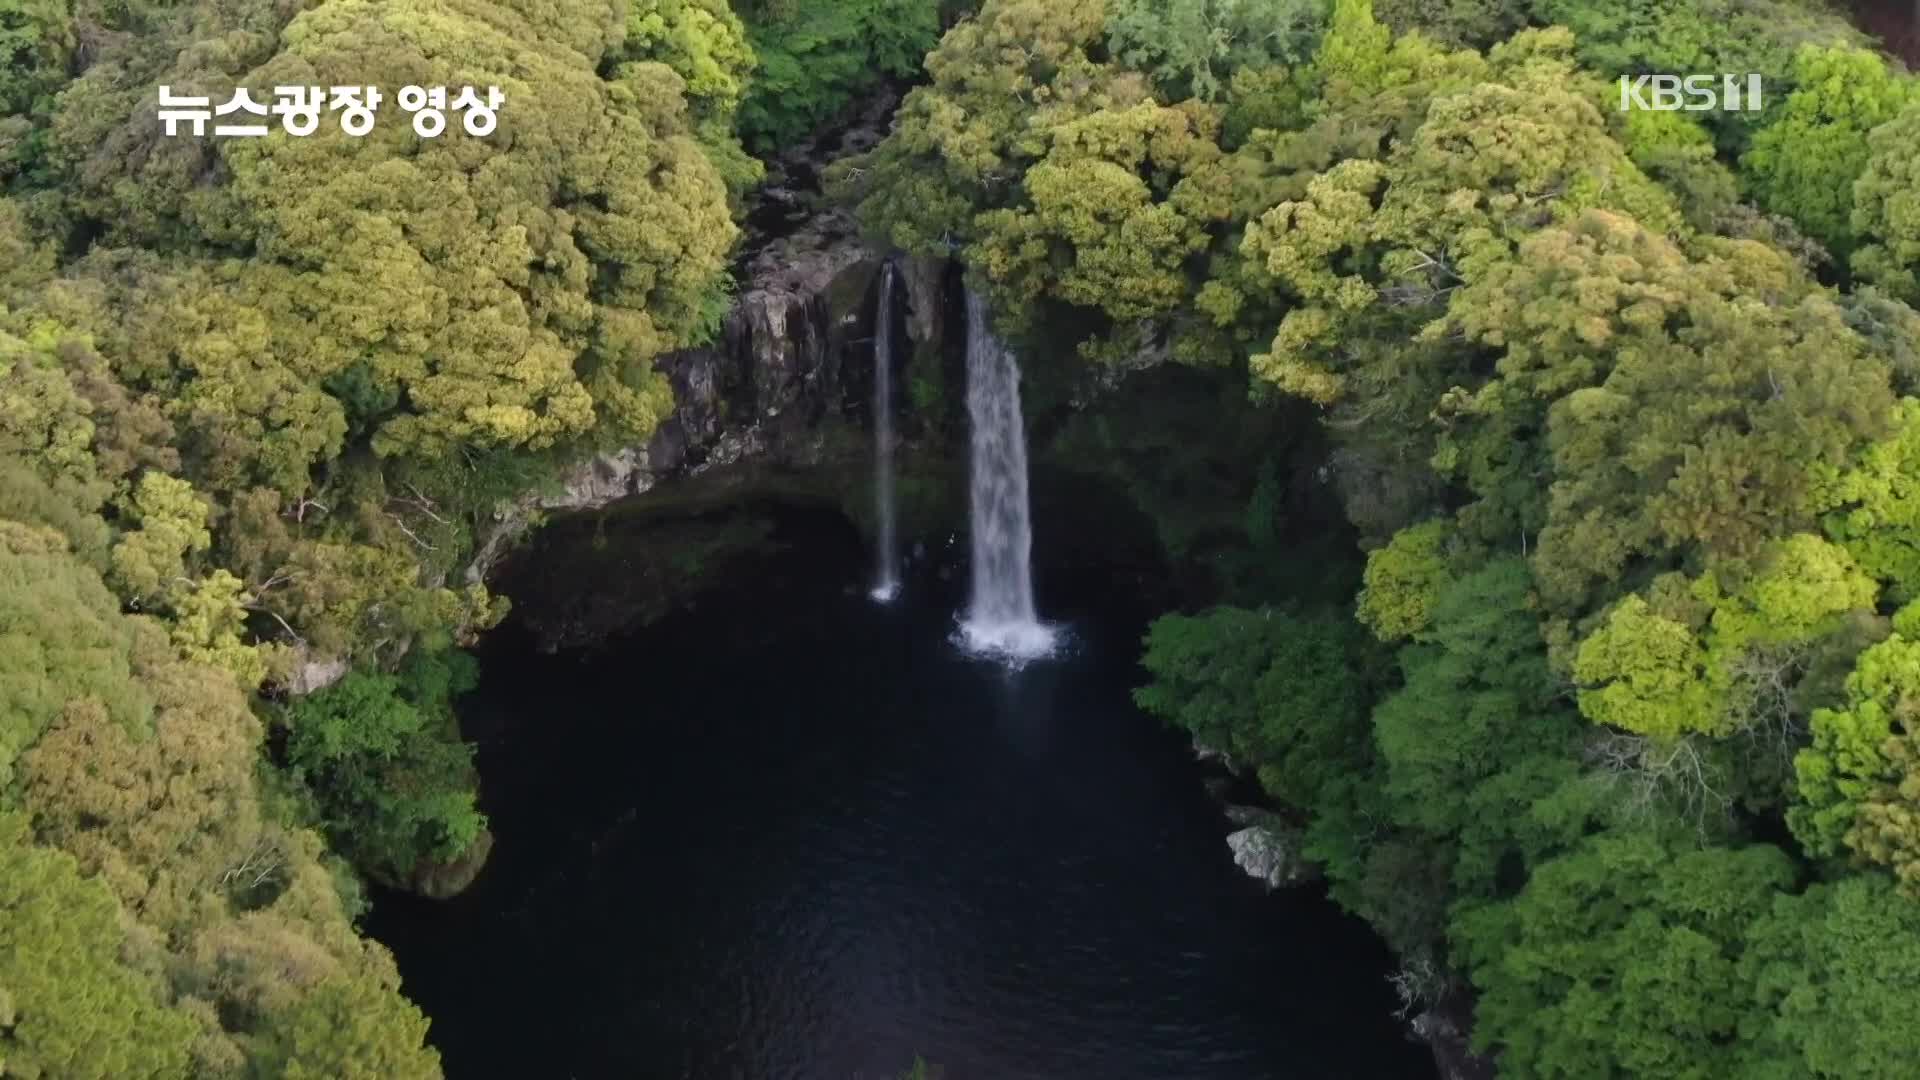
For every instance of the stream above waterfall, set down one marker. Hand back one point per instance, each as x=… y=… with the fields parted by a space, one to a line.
x=785 y=833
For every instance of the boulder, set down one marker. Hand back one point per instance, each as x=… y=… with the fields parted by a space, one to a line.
x=1272 y=853
x=439 y=880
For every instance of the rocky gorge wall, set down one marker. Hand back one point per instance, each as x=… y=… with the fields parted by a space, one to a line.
x=787 y=381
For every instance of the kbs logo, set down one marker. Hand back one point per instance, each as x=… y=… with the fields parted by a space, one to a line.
x=1694 y=93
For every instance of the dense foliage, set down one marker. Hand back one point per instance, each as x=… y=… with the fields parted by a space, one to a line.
x=816 y=56
x=1612 y=726
x=383 y=754
x=1617 y=730
x=257 y=397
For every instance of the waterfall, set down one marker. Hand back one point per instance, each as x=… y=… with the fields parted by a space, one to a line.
x=1000 y=618
x=886 y=570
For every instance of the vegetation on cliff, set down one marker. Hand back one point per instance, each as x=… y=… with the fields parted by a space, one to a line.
x=1615 y=731
x=257 y=398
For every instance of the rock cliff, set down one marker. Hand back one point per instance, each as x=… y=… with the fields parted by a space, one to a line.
x=791 y=365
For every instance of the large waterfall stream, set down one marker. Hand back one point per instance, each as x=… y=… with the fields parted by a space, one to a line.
x=886 y=570
x=1000 y=619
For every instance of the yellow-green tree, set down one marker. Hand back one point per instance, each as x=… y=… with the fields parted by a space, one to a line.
x=68 y=1008
x=1886 y=207
x=62 y=639
x=1804 y=161
x=350 y=1029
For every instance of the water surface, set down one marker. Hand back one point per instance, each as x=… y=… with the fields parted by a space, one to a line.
x=792 y=834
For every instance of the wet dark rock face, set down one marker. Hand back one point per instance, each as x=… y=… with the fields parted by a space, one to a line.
x=1895 y=22
x=786 y=381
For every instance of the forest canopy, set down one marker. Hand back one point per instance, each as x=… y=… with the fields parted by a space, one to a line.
x=1621 y=408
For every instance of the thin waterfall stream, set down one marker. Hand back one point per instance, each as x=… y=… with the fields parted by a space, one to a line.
x=1000 y=619
x=886 y=571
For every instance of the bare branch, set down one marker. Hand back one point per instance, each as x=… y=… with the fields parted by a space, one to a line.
x=1410 y=295
x=1419 y=984
x=411 y=535
x=263 y=861
x=1651 y=772
x=291 y=632
x=423 y=504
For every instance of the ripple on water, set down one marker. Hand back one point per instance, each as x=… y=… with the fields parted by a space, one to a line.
x=805 y=838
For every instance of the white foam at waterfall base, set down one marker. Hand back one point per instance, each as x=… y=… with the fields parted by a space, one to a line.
x=1012 y=643
x=1000 y=621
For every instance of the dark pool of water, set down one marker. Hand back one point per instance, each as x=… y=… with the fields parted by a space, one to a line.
x=790 y=834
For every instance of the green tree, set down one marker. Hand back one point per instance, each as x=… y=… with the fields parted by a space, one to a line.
x=1635 y=37
x=384 y=757
x=47 y=435
x=1647 y=674
x=1849 y=763
x=705 y=43
x=351 y=583
x=817 y=55
x=143 y=768
x=1623 y=957
x=1404 y=581
x=1479 y=746
x=1886 y=813
x=1681 y=409
x=1114 y=210
x=507 y=313
x=1273 y=690
x=1804 y=160
x=511 y=289
x=36 y=43
x=960 y=141
x=68 y=1008
x=1387 y=242
x=170 y=524
x=1720 y=661
x=1871 y=505
x=1830 y=968
x=62 y=639
x=1886 y=207
x=1458 y=23
x=349 y=1029
x=1192 y=48
x=159 y=814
